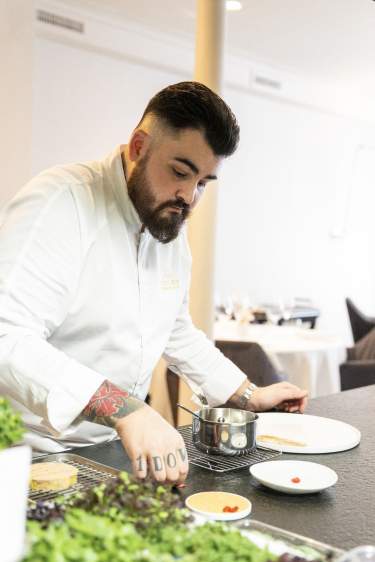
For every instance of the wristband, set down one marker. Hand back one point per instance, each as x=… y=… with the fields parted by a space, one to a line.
x=244 y=398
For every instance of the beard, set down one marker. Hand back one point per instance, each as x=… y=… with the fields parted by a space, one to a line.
x=163 y=225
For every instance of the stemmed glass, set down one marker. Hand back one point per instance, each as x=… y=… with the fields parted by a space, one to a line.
x=286 y=307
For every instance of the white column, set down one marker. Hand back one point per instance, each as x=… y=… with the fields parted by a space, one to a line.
x=16 y=64
x=208 y=70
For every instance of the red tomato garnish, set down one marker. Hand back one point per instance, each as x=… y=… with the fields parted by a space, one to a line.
x=229 y=509
x=296 y=480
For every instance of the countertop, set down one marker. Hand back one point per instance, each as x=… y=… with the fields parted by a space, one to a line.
x=342 y=516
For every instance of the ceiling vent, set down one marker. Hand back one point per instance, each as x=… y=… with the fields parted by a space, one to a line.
x=265 y=82
x=60 y=21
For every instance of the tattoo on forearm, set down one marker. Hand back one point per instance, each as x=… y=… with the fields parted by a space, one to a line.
x=171 y=460
x=108 y=404
x=158 y=463
x=183 y=454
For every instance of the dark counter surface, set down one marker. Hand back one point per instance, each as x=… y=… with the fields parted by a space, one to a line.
x=342 y=516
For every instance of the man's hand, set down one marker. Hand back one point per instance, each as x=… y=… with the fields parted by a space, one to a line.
x=282 y=395
x=153 y=446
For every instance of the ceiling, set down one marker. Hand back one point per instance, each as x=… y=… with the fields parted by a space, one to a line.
x=330 y=40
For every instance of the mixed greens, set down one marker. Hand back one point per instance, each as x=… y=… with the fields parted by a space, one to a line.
x=11 y=425
x=125 y=520
x=145 y=504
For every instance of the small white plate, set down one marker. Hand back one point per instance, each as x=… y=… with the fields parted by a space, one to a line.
x=211 y=505
x=305 y=434
x=279 y=475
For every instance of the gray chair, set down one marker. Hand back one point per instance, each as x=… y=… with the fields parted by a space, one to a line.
x=357 y=372
x=252 y=360
x=354 y=374
x=360 y=323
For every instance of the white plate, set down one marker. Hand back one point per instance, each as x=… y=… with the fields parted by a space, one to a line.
x=311 y=434
x=279 y=475
x=211 y=504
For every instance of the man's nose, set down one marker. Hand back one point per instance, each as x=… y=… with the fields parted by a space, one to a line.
x=188 y=193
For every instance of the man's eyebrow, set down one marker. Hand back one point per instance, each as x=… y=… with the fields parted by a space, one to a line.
x=193 y=167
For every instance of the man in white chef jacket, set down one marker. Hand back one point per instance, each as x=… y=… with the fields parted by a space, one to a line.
x=94 y=280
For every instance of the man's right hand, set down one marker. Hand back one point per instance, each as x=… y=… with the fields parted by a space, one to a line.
x=153 y=446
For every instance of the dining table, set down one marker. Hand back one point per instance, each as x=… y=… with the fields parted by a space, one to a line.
x=342 y=516
x=308 y=358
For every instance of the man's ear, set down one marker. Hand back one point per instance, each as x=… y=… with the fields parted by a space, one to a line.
x=138 y=144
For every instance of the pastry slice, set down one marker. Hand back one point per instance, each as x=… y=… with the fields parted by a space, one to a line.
x=48 y=476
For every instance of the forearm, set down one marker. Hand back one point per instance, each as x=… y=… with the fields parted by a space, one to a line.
x=109 y=404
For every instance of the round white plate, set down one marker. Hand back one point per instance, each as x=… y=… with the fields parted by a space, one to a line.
x=211 y=505
x=279 y=475
x=304 y=434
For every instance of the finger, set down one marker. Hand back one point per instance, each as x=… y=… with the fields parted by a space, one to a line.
x=283 y=406
x=172 y=466
x=139 y=465
x=156 y=466
x=182 y=455
x=303 y=404
x=294 y=407
x=289 y=406
x=293 y=394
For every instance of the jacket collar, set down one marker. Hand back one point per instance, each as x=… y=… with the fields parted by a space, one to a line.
x=116 y=177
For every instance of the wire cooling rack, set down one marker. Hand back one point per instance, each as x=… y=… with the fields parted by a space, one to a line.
x=221 y=463
x=89 y=474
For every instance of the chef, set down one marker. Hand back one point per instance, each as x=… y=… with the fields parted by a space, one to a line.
x=94 y=283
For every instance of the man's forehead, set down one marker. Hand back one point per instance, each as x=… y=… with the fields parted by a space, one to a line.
x=190 y=147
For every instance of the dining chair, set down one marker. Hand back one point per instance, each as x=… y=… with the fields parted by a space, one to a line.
x=360 y=323
x=356 y=371
x=248 y=356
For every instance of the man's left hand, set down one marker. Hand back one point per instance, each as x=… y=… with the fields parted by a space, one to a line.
x=282 y=396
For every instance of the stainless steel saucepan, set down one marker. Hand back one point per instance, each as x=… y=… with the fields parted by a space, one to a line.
x=223 y=431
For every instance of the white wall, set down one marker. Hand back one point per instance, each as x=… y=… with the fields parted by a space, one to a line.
x=16 y=36
x=283 y=195
x=84 y=102
x=280 y=197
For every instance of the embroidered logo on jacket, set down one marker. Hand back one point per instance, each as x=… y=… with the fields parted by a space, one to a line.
x=169 y=282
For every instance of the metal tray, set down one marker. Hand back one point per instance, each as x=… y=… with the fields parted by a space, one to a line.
x=90 y=474
x=279 y=541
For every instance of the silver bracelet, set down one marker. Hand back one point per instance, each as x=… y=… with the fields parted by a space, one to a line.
x=244 y=398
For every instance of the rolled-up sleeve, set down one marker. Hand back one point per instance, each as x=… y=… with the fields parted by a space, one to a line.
x=191 y=354
x=40 y=262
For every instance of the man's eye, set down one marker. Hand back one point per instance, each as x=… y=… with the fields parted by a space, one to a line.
x=201 y=186
x=179 y=174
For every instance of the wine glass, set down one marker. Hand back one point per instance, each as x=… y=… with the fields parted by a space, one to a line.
x=286 y=306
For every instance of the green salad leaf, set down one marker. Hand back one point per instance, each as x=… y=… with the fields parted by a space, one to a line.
x=11 y=425
x=125 y=520
x=84 y=537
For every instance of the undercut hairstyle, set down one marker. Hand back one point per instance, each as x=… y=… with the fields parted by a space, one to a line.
x=191 y=105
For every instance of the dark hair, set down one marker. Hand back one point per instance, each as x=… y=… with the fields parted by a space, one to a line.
x=191 y=105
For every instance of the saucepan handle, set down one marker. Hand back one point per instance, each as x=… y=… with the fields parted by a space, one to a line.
x=187 y=410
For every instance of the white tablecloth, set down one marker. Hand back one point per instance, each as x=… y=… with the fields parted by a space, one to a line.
x=309 y=358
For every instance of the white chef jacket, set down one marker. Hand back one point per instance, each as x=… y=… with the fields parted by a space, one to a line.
x=85 y=296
